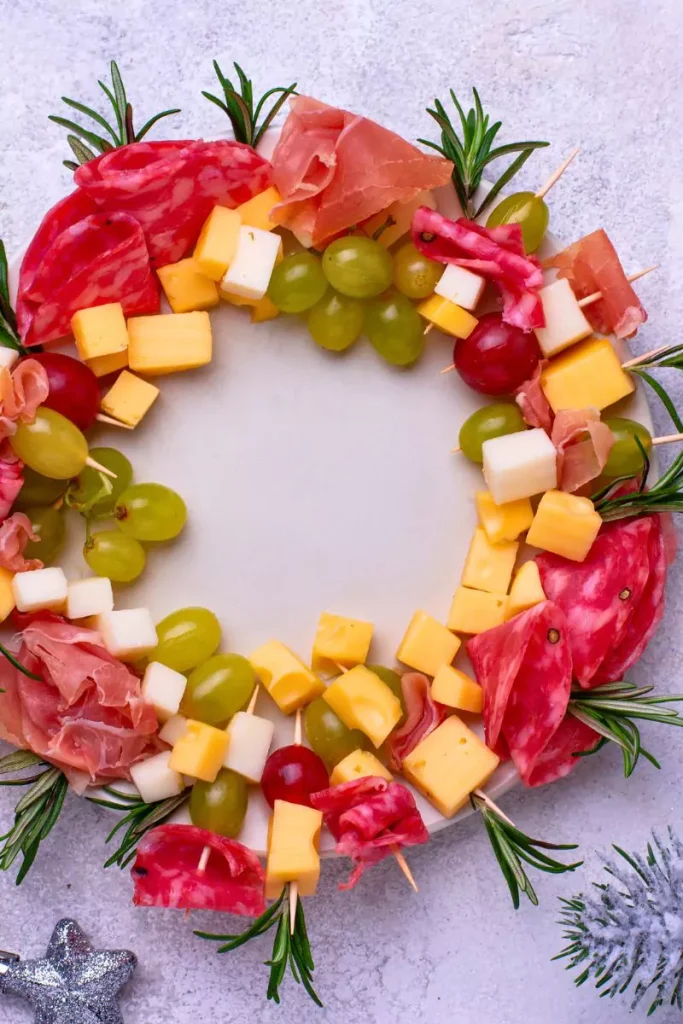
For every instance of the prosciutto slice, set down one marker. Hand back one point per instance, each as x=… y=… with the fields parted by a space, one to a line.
x=531 y=399
x=423 y=715
x=22 y=390
x=15 y=533
x=370 y=818
x=335 y=169
x=166 y=872
x=495 y=253
x=583 y=444
x=592 y=265
x=11 y=478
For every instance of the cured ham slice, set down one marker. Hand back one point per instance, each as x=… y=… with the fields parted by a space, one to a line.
x=15 y=533
x=423 y=715
x=370 y=818
x=11 y=478
x=335 y=169
x=583 y=445
x=495 y=253
x=592 y=265
x=166 y=872
x=22 y=390
x=531 y=399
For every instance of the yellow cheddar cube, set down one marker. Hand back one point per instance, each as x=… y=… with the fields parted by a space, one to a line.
x=169 y=342
x=447 y=316
x=263 y=310
x=489 y=566
x=503 y=522
x=359 y=764
x=565 y=524
x=7 y=601
x=363 y=701
x=393 y=223
x=200 y=751
x=293 y=849
x=129 y=398
x=100 y=330
x=586 y=375
x=255 y=213
x=289 y=682
x=427 y=645
x=340 y=641
x=475 y=611
x=453 y=688
x=217 y=242
x=187 y=288
x=526 y=590
x=448 y=764
x=101 y=366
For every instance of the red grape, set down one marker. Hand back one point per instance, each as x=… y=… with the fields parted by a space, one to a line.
x=293 y=773
x=497 y=357
x=74 y=391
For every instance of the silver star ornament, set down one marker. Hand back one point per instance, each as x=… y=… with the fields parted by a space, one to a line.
x=72 y=983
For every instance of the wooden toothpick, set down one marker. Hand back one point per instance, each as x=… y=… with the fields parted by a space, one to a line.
x=456 y=450
x=101 y=469
x=252 y=703
x=556 y=175
x=294 y=886
x=594 y=296
x=646 y=355
x=102 y=418
x=428 y=328
x=494 y=807
x=667 y=439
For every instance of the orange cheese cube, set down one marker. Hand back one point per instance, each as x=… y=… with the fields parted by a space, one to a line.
x=100 y=330
x=293 y=849
x=186 y=287
x=364 y=702
x=255 y=213
x=101 y=366
x=217 y=242
x=129 y=398
x=427 y=645
x=200 y=751
x=453 y=688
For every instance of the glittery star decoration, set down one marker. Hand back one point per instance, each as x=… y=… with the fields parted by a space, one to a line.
x=72 y=983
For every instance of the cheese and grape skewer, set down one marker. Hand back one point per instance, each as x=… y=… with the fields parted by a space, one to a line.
x=294 y=886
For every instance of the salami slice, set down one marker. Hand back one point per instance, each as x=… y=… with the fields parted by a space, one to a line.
x=559 y=758
x=423 y=715
x=166 y=872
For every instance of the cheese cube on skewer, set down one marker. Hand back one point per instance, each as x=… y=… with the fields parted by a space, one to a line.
x=293 y=849
x=565 y=524
x=40 y=588
x=289 y=682
x=256 y=211
x=8 y=357
x=200 y=751
x=453 y=688
x=359 y=764
x=186 y=287
x=565 y=322
x=363 y=701
x=100 y=330
x=519 y=465
x=250 y=269
x=7 y=601
x=460 y=286
x=526 y=590
x=588 y=375
x=489 y=566
x=474 y=611
x=173 y=730
x=163 y=687
x=155 y=779
x=217 y=242
x=129 y=398
x=92 y=596
x=249 y=745
x=427 y=645
x=128 y=633
x=340 y=641
x=169 y=342
x=447 y=316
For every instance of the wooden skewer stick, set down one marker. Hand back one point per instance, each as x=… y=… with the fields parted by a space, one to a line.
x=101 y=469
x=428 y=328
x=556 y=175
x=646 y=355
x=252 y=703
x=494 y=807
x=112 y=422
x=294 y=886
x=667 y=439
x=456 y=450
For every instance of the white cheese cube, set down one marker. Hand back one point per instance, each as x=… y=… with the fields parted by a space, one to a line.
x=155 y=780
x=565 y=323
x=164 y=688
x=8 y=357
x=89 y=597
x=127 y=634
x=249 y=273
x=250 y=739
x=460 y=286
x=173 y=730
x=519 y=465
x=41 y=588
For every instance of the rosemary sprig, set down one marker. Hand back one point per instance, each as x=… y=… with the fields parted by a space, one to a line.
x=139 y=818
x=291 y=950
x=9 y=334
x=122 y=134
x=610 y=710
x=238 y=104
x=36 y=812
x=665 y=495
x=473 y=152
x=511 y=846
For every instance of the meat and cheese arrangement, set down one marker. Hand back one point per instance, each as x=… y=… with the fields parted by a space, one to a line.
x=561 y=590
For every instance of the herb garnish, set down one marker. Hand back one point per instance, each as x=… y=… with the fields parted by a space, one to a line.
x=36 y=812
x=238 y=104
x=138 y=819
x=9 y=333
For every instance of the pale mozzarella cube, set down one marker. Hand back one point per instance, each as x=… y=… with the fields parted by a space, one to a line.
x=249 y=273
x=163 y=687
x=460 y=286
x=93 y=596
x=155 y=780
x=565 y=322
x=519 y=465
x=250 y=739
x=173 y=730
x=8 y=357
x=127 y=634
x=40 y=588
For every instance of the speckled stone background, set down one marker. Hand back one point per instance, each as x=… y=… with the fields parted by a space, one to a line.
x=603 y=73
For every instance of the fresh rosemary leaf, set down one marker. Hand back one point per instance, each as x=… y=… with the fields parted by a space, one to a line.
x=35 y=814
x=96 y=141
x=137 y=819
x=89 y=112
x=238 y=104
x=661 y=393
x=80 y=151
x=17 y=664
x=153 y=120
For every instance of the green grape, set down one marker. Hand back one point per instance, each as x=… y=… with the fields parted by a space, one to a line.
x=51 y=445
x=415 y=275
x=395 y=329
x=358 y=267
x=220 y=806
x=336 y=321
x=328 y=736
x=487 y=422
x=218 y=688
x=187 y=637
x=92 y=493
x=39 y=490
x=393 y=681
x=50 y=526
x=297 y=283
x=150 y=512
x=626 y=458
x=527 y=210
x=113 y=554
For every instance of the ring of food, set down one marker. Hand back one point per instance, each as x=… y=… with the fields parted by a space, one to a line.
x=561 y=591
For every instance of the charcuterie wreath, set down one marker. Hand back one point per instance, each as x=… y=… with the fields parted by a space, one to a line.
x=336 y=219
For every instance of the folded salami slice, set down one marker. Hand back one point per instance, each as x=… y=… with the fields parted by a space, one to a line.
x=423 y=715
x=560 y=756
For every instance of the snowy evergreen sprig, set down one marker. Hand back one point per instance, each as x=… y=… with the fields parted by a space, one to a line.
x=628 y=933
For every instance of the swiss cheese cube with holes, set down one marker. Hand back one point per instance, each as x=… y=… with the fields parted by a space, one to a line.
x=340 y=640
x=588 y=375
x=100 y=330
x=169 y=342
x=359 y=764
x=427 y=644
x=289 y=682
